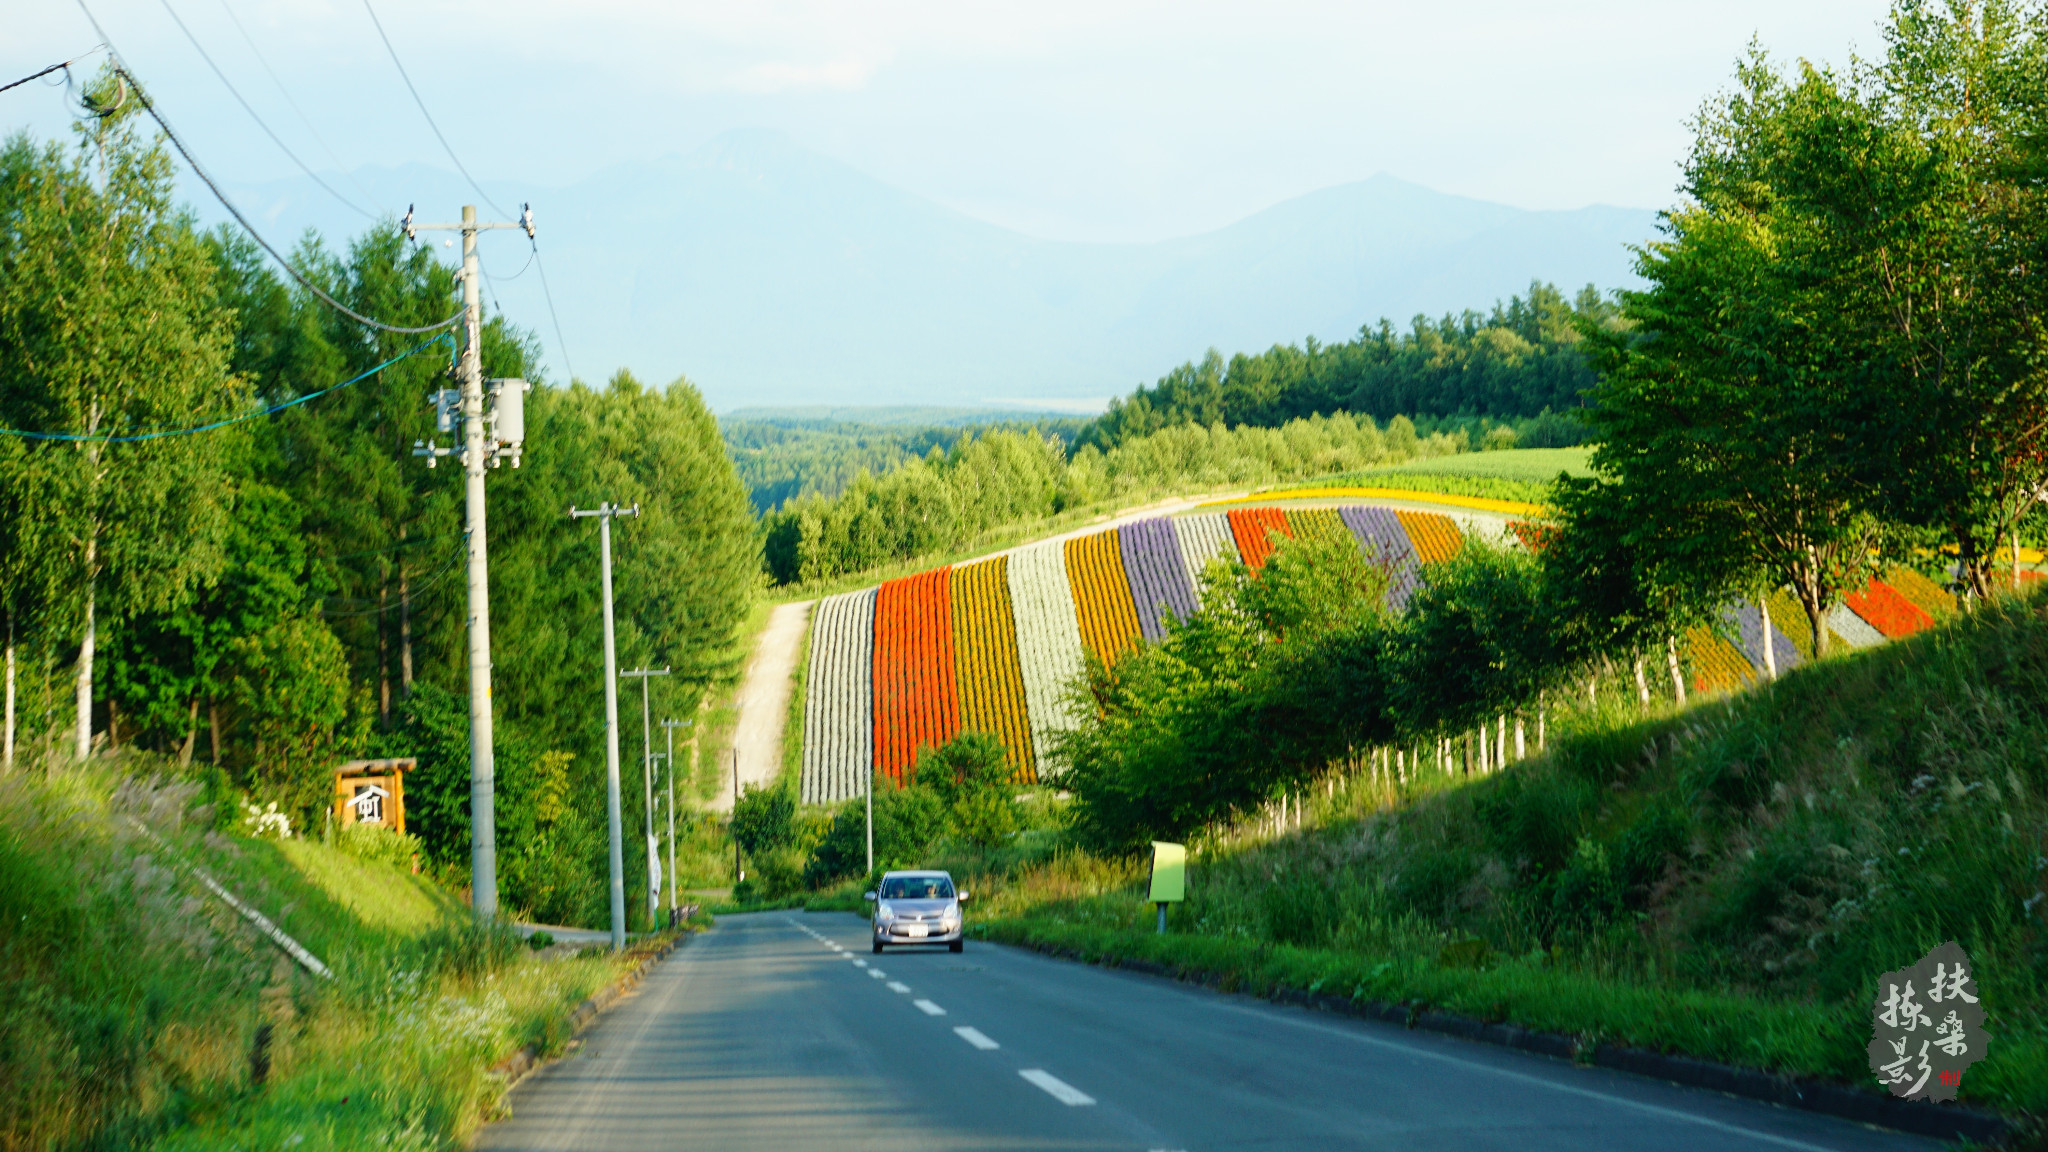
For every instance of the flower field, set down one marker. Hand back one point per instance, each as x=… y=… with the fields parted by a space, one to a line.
x=985 y=664
x=994 y=646
x=839 y=734
x=1385 y=541
x=1434 y=534
x=1203 y=537
x=1161 y=590
x=1048 y=640
x=1887 y=611
x=917 y=701
x=1102 y=594
x=1253 y=530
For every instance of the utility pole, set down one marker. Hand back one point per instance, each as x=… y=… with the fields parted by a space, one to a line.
x=647 y=784
x=605 y=513
x=670 y=726
x=505 y=438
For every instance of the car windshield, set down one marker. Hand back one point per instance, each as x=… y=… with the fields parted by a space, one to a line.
x=917 y=888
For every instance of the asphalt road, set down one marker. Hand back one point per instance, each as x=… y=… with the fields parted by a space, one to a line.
x=762 y=1035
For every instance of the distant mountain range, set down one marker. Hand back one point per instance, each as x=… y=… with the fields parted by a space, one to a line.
x=773 y=275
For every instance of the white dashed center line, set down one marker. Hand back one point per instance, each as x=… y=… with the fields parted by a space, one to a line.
x=898 y=986
x=929 y=1008
x=876 y=973
x=973 y=1036
x=860 y=963
x=1057 y=1088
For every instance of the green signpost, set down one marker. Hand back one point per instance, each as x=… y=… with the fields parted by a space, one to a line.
x=1169 y=877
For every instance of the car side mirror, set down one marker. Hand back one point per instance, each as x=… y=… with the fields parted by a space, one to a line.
x=966 y=896
x=868 y=896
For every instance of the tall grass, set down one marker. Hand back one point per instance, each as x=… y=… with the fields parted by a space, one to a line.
x=134 y=999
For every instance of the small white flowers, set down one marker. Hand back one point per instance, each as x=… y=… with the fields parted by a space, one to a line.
x=267 y=822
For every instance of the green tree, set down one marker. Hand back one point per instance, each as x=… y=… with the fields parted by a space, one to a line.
x=970 y=774
x=110 y=326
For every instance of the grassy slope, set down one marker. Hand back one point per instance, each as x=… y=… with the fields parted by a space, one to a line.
x=1725 y=881
x=135 y=997
x=1530 y=465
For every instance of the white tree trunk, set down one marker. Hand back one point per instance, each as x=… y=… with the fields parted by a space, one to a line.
x=7 y=743
x=1677 y=678
x=1521 y=739
x=1770 y=653
x=1642 y=685
x=85 y=654
x=1485 y=755
x=1500 y=741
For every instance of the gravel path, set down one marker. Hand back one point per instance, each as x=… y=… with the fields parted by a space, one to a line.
x=764 y=701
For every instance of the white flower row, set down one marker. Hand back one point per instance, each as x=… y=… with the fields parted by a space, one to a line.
x=839 y=719
x=1048 y=642
x=1204 y=536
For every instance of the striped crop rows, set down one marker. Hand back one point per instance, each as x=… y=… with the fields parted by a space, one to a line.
x=985 y=663
x=1102 y=595
x=1048 y=640
x=995 y=646
x=998 y=646
x=917 y=703
x=839 y=734
x=1897 y=606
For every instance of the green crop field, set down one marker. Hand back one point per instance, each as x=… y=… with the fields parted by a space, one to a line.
x=1530 y=465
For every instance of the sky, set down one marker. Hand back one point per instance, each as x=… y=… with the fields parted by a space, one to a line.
x=1102 y=120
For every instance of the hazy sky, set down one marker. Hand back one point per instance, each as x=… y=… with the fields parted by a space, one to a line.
x=1105 y=119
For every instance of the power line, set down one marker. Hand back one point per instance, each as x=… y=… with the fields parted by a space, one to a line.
x=403 y=75
x=66 y=68
x=236 y=93
x=546 y=291
x=149 y=106
x=285 y=92
x=550 y=296
x=74 y=438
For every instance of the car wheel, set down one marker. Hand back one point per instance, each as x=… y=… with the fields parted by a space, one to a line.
x=878 y=947
x=956 y=946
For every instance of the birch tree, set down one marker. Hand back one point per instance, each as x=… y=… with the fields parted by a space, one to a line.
x=109 y=329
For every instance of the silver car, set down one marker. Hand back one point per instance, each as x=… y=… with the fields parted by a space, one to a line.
x=917 y=908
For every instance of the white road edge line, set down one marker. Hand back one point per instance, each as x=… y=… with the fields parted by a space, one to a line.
x=1057 y=1088
x=900 y=986
x=974 y=1036
x=929 y=1008
x=1587 y=1093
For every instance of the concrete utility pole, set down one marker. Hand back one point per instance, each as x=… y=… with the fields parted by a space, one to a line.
x=480 y=446
x=605 y=514
x=670 y=726
x=647 y=785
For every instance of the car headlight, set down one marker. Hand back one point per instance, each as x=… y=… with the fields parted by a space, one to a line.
x=884 y=912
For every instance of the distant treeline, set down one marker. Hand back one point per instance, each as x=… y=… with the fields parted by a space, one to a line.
x=783 y=456
x=1521 y=363
x=949 y=500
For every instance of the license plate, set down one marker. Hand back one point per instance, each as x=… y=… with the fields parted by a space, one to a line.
x=916 y=931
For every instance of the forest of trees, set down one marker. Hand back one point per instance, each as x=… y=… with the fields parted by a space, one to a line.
x=782 y=455
x=265 y=598
x=948 y=500
x=1523 y=360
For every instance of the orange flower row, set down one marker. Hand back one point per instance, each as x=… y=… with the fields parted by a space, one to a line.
x=1102 y=595
x=917 y=702
x=1254 y=529
x=1435 y=535
x=985 y=663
